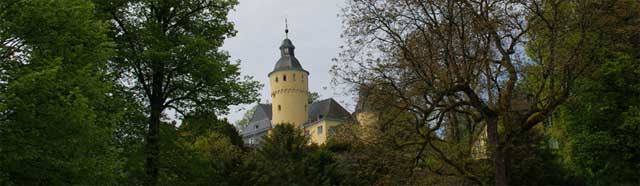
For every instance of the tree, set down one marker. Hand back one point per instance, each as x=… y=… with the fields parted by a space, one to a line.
x=168 y=54
x=201 y=124
x=219 y=160
x=246 y=118
x=313 y=97
x=57 y=118
x=460 y=63
x=598 y=127
x=285 y=159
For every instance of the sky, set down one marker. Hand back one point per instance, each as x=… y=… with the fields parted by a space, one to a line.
x=314 y=29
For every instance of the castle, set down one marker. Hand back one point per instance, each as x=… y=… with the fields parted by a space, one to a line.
x=289 y=84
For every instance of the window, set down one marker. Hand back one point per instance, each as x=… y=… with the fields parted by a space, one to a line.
x=284 y=78
x=294 y=77
x=306 y=133
x=256 y=126
x=305 y=107
x=319 y=129
x=320 y=117
x=279 y=108
x=276 y=79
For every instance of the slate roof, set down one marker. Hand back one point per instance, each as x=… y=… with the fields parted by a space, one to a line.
x=328 y=108
x=260 y=121
x=288 y=60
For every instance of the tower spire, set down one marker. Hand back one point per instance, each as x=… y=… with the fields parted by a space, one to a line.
x=286 y=28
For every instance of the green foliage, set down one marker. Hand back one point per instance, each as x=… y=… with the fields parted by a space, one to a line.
x=173 y=46
x=534 y=162
x=599 y=126
x=200 y=124
x=168 y=55
x=246 y=118
x=285 y=158
x=57 y=119
x=191 y=157
x=76 y=101
x=313 y=97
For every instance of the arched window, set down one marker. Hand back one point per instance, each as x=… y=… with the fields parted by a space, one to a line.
x=276 y=79
x=284 y=78
x=279 y=108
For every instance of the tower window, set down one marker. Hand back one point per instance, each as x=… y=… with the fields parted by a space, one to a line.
x=284 y=78
x=276 y=79
x=294 y=77
x=279 y=108
x=319 y=129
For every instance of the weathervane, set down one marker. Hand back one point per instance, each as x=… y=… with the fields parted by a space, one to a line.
x=286 y=28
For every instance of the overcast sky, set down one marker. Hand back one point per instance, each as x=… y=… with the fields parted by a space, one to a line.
x=314 y=28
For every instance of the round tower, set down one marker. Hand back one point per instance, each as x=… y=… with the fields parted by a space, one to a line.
x=289 y=88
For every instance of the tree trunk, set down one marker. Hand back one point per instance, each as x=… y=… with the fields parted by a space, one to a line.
x=500 y=175
x=152 y=146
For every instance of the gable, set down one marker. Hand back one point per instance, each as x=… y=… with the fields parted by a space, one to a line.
x=328 y=108
x=260 y=121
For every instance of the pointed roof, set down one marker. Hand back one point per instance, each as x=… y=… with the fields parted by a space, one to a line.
x=260 y=120
x=327 y=108
x=288 y=60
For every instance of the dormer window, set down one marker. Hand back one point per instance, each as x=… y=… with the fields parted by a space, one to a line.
x=256 y=126
x=320 y=117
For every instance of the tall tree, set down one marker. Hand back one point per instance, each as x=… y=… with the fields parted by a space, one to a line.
x=56 y=119
x=459 y=60
x=168 y=53
x=285 y=158
x=598 y=127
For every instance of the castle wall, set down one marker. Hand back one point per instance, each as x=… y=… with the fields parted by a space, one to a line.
x=289 y=96
x=320 y=131
x=368 y=122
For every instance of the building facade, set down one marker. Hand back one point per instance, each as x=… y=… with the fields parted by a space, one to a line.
x=289 y=89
